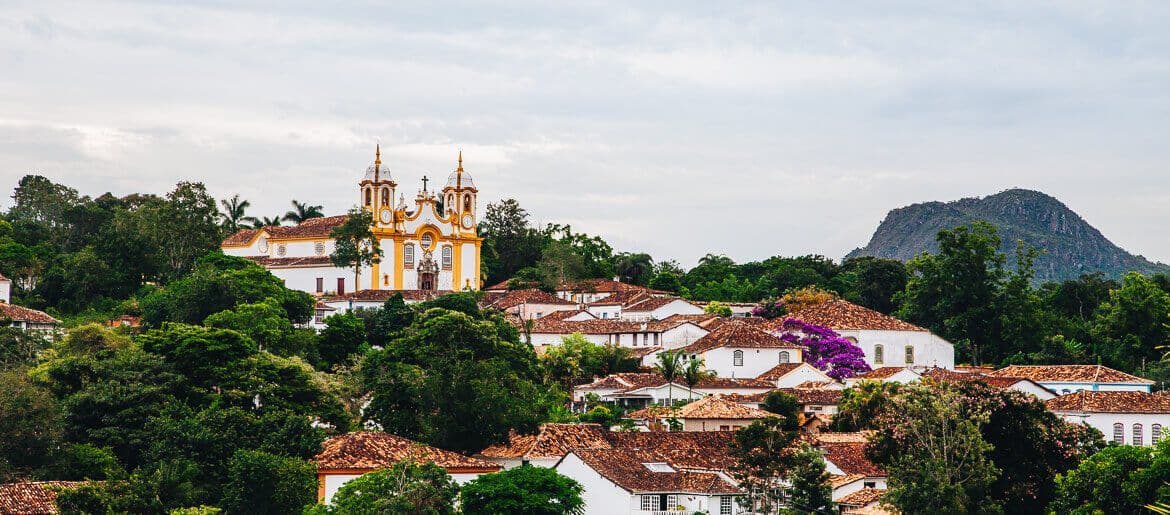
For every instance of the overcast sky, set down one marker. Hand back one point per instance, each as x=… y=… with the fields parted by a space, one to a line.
x=675 y=128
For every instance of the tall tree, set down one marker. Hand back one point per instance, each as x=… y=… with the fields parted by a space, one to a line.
x=693 y=373
x=669 y=364
x=510 y=244
x=302 y=211
x=234 y=213
x=185 y=228
x=406 y=488
x=355 y=244
x=530 y=490
x=265 y=221
x=634 y=268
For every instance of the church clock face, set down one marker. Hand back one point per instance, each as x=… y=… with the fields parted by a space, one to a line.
x=467 y=221
x=386 y=216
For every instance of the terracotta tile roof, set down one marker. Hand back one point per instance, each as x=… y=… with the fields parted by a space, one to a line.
x=630 y=381
x=241 y=238
x=1111 y=402
x=837 y=481
x=551 y=441
x=716 y=383
x=850 y=437
x=850 y=458
x=712 y=407
x=737 y=335
x=324 y=307
x=641 y=352
x=598 y=286
x=291 y=262
x=882 y=373
x=500 y=286
x=311 y=228
x=778 y=371
x=863 y=497
x=653 y=303
x=815 y=396
x=812 y=385
x=843 y=315
x=750 y=398
x=384 y=295
x=374 y=450
x=529 y=296
x=36 y=497
x=627 y=469
x=546 y=325
x=709 y=450
x=1001 y=382
x=622 y=298
x=1069 y=374
x=23 y=314
x=713 y=322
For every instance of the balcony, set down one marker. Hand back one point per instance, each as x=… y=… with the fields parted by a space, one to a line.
x=661 y=512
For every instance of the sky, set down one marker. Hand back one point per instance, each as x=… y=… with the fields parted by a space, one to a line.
x=675 y=128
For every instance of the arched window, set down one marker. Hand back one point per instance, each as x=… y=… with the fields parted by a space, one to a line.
x=1137 y=434
x=1119 y=433
x=408 y=255
x=385 y=196
x=784 y=357
x=427 y=241
x=467 y=202
x=447 y=257
x=1065 y=391
x=1155 y=433
x=737 y=358
x=879 y=354
x=909 y=354
x=369 y=196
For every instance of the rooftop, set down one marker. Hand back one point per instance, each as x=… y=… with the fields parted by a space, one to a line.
x=863 y=497
x=1069 y=374
x=529 y=296
x=290 y=262
x=384 y=295
x=883 y=373
x=1111 y=402
x=627 y=468
x=551 y=441
x=711 y=407
x=738 y=335
x=374 y=450
x=311 y=228
x=34 y=497
x=841 y=314
x=23 y=314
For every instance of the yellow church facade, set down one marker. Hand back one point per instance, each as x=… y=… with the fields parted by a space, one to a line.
x=429 y=244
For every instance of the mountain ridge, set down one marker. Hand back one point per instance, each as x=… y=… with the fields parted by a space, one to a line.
x=1072 y=246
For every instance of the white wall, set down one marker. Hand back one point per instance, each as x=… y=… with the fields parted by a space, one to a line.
x=802 y=374
x=1062 y=388
x=678 y=307
x=528 y=311
x=695 y=424
x=601 y=496
x=929 y=350
x=606 y=311
x=1103 y=422
x=755 y=361
x=682 y=335
x=305 y=278
x=6 y=291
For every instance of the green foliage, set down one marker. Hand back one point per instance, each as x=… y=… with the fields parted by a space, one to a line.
x=1129 y=328
x=765 y=456
x=28 y=426
x=265 y=322
x=1119 y=479
x=577 y=358
x=406 y=488
x=786 y=406
x=809 y=490
x=717 y=308
x=355 y=245
x=259 y=482
x=344 y=335
x=530 y=490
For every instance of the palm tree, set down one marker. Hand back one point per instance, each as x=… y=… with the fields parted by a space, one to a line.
x=264 y=221
x=234 y=212
x=669 y=365
x=302 y=211
x=693 y=374
x=634 y=268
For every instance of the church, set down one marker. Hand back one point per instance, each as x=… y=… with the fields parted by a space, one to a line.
x=429 y=244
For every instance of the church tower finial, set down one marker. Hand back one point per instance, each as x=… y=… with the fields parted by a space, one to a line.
x=378 y=154
x=460 y=169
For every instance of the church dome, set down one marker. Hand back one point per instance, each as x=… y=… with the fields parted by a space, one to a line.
x=454 y=181
x=383 y=173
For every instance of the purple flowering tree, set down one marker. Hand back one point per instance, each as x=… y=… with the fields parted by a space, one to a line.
x=825 y=349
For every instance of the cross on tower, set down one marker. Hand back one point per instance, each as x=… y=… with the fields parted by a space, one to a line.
x=424 y=183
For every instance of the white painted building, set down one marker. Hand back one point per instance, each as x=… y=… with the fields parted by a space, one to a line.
x=791 y=375
x=626 y=481
x=5 y=289
x=1066 y=379
x=885 y=340
x=736 y=349
x=669 y=334
x=1123 y=417
x=886 y=375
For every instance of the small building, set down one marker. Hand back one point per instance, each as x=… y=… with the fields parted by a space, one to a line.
x=817 y=401
x=647 y=482
x=375 y=299
x=349 y=456
x=885 y=340
x=712 y=413
x=658 y=308
x=790 y=375
x=641 y=389
x=29 y=320
x=5 y=289
x=1019 y=384
x=530 y=304
x=737 y=349
x=867 y=501
x=33 y=497
x=545 y=448
x=670 y=333
x=1124 y=417
x=886 y=375
x=845 y=460
x=1065 y=379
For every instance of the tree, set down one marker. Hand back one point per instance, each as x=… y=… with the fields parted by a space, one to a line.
x=266 y=221
x=343 y=336
x=863 y=404
x=669 y=364
x=634 y=268
x=805 y=297
x=1119 y=479
x=259 y=482
x=510 y=244
x=809 y=490
x=786 y=406
x=560 y=264
x=185 y=228
x=234 y=213
x=29 y=428
x=1130 y=327
x=532 y=490
x=405 y=488
x=355 y=244
x=763 y=453
x=302 y=211
x=770 y=309
x=693 y=373
x=456 y=382
x=934 y=454
x=826 y=350
x=717 y=308
x=873 y=282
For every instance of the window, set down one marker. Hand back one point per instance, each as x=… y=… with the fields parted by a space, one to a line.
x=341 y=286
x=737 y=358
x=320 y=284
x=447 y=251
x=1137 y=434
x=671 y=501
x=467 y=202
x=539 y=314
x=1065 y=391
x=427 y=241
x=869 y=484
x=385 y=279
x=369 y=196
x=879 y=354
x=408 y=255
x=784 y=357
x=1155 y=433
x=1119 y=433
x=725 y=428
x=281 y=250
x=725 y=505
x=909 y=355
x=385 y=196
x=651 y=503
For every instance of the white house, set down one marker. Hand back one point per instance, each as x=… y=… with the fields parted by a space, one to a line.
x=817 y=401
x=645 y=482
x=711 y=413
x=670 y=333
x=737 y=349
x=641 y=389
x=790 y=375
x=658 y=308
x=1019 y=384
x=5 y=289
x=27 y=319
x=1124 y=417
x=1065 y=379
x=530 y=304
x=845 y=460
x=375 y=299
x=886 y=341
x=545 y=448
x=349 y=456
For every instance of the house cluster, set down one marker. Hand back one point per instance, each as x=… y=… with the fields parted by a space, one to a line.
x=22 y=318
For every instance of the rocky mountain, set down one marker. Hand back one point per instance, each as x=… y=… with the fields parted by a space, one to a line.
x=1073 y=247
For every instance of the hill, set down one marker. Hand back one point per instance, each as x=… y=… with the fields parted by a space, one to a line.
x=1073 y=247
